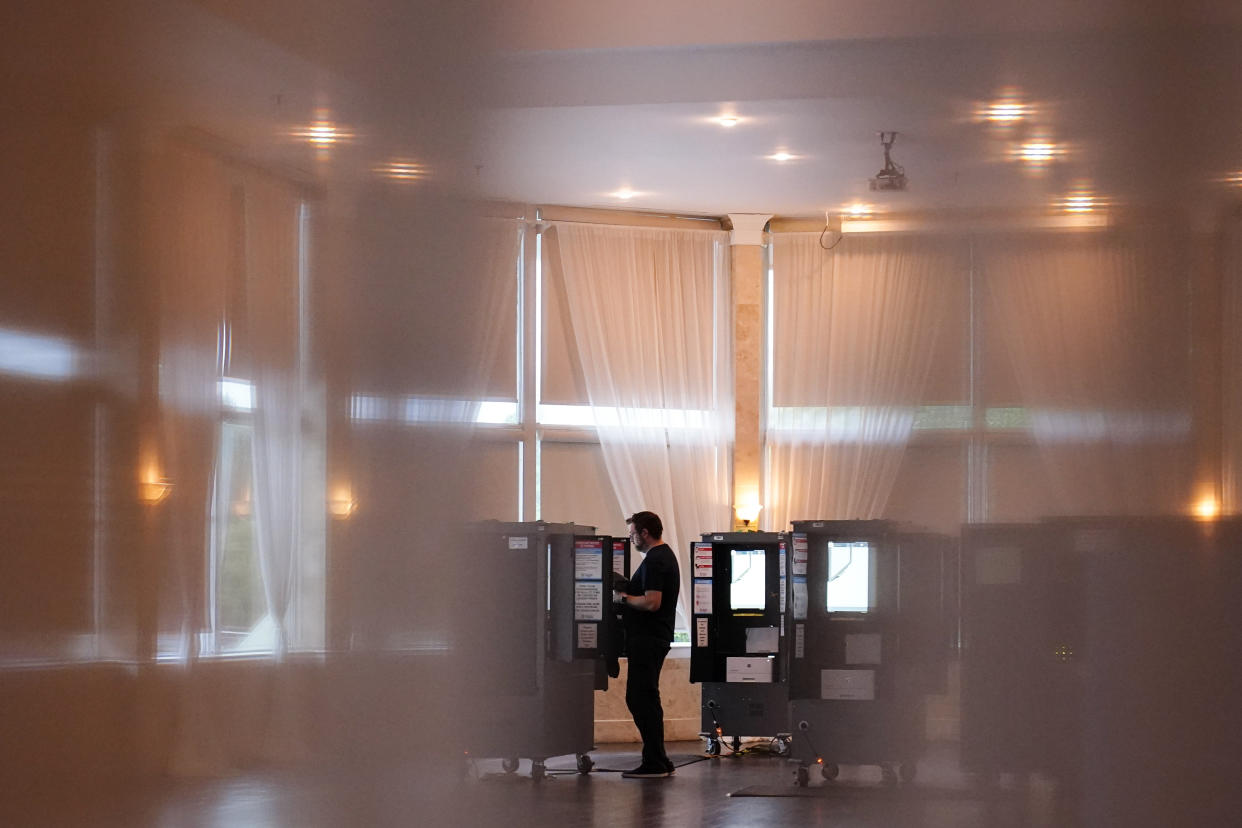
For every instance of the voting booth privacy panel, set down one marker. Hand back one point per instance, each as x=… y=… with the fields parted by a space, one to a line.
x=737 y=641
x=1103 y=652
x=536 y=633
x=871 y=619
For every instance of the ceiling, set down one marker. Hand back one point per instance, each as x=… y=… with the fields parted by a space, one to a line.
x=574 y=102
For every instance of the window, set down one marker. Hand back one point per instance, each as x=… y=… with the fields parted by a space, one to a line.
x=238 y=603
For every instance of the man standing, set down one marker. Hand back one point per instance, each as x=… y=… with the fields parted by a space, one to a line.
x=650 y=602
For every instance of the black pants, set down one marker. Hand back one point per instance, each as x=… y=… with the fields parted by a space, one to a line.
x=642 y=695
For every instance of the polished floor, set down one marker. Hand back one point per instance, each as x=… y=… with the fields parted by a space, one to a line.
x=756 y=788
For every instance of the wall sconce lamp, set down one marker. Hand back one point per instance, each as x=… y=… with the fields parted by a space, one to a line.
x=1207 y=508
x=747 y=513
x=152 y=488
x=342 y=504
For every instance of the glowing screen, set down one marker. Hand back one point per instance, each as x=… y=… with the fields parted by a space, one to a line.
x=849 y=577
x=747 y=590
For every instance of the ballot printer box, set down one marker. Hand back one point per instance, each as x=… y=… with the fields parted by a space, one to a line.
x=753 y=669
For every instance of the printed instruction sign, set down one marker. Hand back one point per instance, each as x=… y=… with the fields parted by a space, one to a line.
x=588 y=636
x=618 y=557
x=799 y=554
x=702 y=560
x=700 y=632
x=589 y=601
x=799 y=640
x=588 y=560
x=519 y=542
x=799 y=598
x=702 y=597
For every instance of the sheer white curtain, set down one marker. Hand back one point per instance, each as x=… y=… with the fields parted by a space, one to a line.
x=1096 y=326
x=650 y=316
x=274 y=331
x=191 y=203
x=854 y=333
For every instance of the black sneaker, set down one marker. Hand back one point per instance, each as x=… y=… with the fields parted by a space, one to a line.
x=672 y=769
x=647 y=772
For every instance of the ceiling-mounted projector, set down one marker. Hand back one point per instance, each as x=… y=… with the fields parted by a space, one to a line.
x=892 y=178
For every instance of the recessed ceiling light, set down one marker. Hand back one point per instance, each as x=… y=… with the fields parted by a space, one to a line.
x=625 y=194
x=782 y=156
x=1005 y=110
x=322 y=133
x=1234 y=178
x=402 y=169
x=858 y=210
x=1006 y=113
x=1080 y=200
x=728 y=120
x=1038 y=152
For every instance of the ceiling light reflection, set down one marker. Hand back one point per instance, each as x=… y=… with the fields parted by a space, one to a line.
x=1079 y=200
x=1007 y=109
x=1038 y=153
x=402 y=169
x=322 y=133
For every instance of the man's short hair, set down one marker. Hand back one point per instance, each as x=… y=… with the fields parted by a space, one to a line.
x=649 y=521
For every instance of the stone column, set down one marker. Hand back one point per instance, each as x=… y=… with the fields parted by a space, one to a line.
x=746 y=269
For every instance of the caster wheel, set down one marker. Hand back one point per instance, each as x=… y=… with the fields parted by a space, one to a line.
x=537 y=770
x=888 y=775
x=780 y=747
x=802 y=777
x=907 y=771
x=585 y=763
x=829 y=771
x=509 y=764
x=713 y=747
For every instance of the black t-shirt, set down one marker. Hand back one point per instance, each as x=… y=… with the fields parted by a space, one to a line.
x=658 y=571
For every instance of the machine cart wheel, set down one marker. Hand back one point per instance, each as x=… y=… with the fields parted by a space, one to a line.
x=713 y=746
x=585 y=763
x=889 y=775
x=802 y=776
x=780 y=745
x=829 y=770
x=908 y=771
x=537 y=769
x=509 y=764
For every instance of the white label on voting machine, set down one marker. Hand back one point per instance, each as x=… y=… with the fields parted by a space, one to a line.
x=588 y=636
x=799 y=555
x=849 y=685
x=588 y=560
x=702 y=560
x=520 y=542
x=618 y=558
x=799 y=640
x=588 y=601
x=702 y=597
x=799 y=599
x=700 y=632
